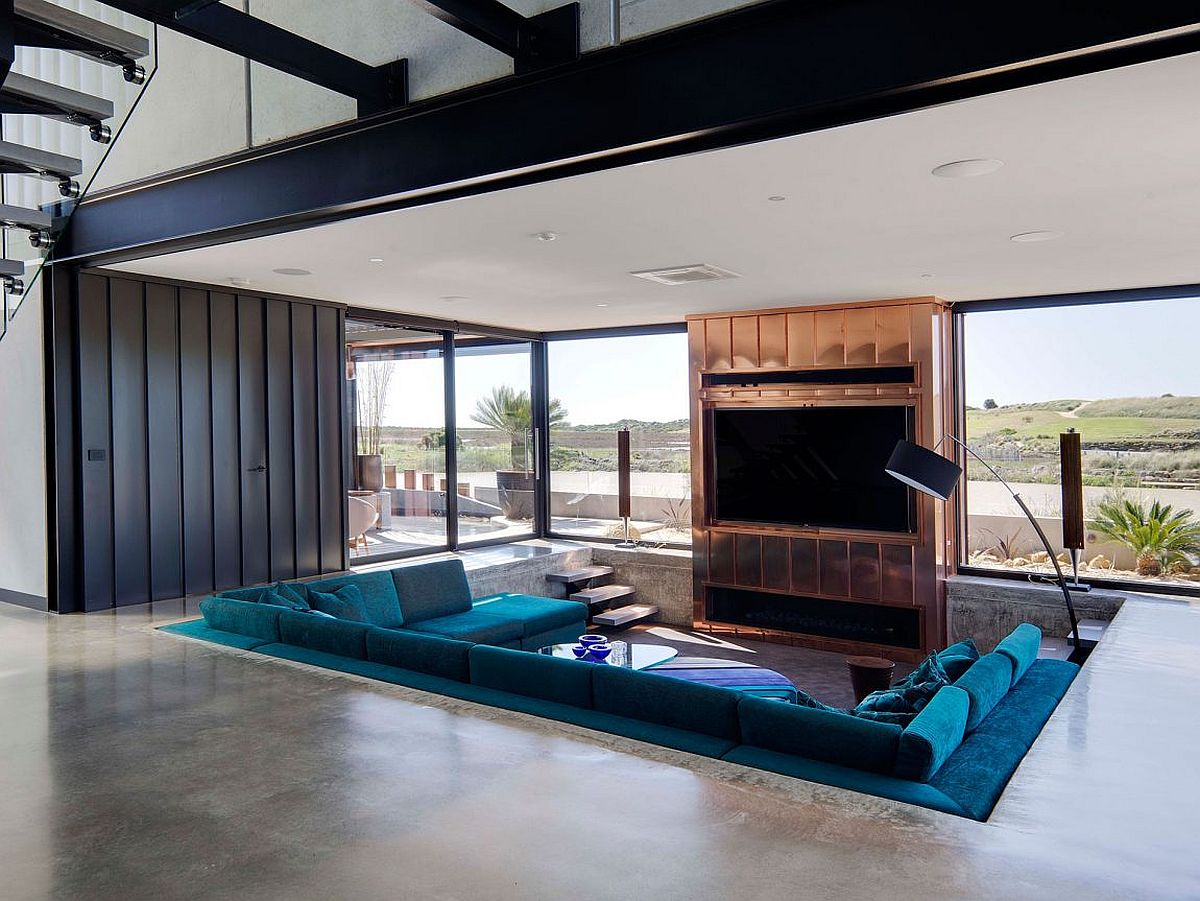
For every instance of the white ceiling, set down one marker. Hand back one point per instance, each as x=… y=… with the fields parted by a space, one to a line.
x=1112 y=160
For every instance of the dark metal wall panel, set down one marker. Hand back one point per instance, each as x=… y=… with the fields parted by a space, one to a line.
x=95 y=458
x=330 y=465
x=226 y=469
x=130 y=452
x=165 y=450
x=195 y=397
x=304 y=440
x=60 y=339
x=252 y=426
x=280 y=474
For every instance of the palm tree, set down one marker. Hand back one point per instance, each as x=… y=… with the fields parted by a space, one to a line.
x=511 y=412
x=1159 y=537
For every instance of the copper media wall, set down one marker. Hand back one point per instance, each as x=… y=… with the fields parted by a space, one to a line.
x=880 y=352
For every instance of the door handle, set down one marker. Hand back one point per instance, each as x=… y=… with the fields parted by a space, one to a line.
x=258 y=468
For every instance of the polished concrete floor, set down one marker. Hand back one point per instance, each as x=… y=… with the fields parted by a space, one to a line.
x=142 y=765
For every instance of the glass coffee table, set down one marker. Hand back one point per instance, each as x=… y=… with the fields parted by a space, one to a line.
x=631 y=655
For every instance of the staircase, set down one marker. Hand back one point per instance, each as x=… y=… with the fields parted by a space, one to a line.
x=608 y=604
x=49 y=38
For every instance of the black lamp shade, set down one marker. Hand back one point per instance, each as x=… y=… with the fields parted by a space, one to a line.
x=927 y=471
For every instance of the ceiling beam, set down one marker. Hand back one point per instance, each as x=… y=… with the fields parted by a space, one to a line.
x=763 y=72
x=376 y=88
x=548 y=39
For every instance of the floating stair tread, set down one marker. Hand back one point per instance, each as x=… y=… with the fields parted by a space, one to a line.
x=12 y=267
x=37 y=160
x=42 y=96
x=623 y=616
x=69 y=30
x=20 y=217
x=584 y=574
x=603 y=594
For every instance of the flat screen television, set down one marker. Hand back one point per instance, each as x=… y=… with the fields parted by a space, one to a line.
x=811 y=467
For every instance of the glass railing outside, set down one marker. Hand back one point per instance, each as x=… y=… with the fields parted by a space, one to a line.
x=60 y=140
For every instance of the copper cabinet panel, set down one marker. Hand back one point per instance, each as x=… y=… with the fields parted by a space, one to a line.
x=892 y=329
x=720 y=557
x=864 y=570
x=718 y=344
x=806 y=567
x=801 y=339
x=773 y=341
x=749 y=560
x=896 y=581
x=835 y=568
x=830 y=329
x=745 y=342
x=776 y=562
x=860 y=336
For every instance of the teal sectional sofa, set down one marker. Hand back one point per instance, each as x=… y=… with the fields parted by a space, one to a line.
x=956 y=755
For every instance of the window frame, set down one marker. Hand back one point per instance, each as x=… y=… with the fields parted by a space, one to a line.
x=960 y=311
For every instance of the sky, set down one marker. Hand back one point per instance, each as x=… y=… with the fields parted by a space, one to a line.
x=598 y=381
x=1142 y=349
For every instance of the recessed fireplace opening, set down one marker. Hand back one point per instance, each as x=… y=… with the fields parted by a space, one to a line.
x=878 y=624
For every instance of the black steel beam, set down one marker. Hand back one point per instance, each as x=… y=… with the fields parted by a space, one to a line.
x=375 y=87
x=763 y=72
x=546 y=39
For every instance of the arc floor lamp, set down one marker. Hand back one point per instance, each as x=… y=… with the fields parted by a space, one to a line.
x=931 y=473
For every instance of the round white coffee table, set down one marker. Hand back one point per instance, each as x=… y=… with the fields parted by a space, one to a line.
x=631 y=655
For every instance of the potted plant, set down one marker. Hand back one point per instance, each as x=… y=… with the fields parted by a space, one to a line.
x=511 y=412
x=1160 y=537
x=372 y=382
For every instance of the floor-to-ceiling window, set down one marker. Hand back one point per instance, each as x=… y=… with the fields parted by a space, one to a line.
x=396 y=391
x=597 y=387
x=1123 y=375
x=496 y=477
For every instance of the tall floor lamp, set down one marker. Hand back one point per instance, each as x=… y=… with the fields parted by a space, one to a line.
x=931 y=473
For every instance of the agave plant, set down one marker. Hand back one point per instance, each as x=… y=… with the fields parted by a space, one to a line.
x=1159 y=536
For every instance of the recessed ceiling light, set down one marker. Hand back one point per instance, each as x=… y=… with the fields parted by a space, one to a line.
x=601 y=304
x=1033 y=237
x=967 y=168
x=776 y=198
x=375 y=260
x=239 y=281
x=926 y=275
x=546 y=236
x=288 y=270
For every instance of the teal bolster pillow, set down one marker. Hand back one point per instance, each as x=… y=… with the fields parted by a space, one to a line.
x=345 y=603
x=427 y=590
x=533 y=675
x=933 y=735
x=281 y=594
x=1021 y=647
x=986 y=683
x=957 y=658
x=380 y=603
x=318 y=633
x=829 y=736
x=429 y=654
x=669 y=702
x=242 y=617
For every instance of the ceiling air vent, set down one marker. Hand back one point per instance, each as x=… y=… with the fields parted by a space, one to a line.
x=686 y=275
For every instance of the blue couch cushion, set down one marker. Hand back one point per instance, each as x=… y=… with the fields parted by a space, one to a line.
x=1021 y=647
x=533 y=675
x=957 y=658
x=198 y=628
x=344 y=603
x=429 y=590
x=908 y=697
x=319 y=633
x=430 y=654
x=933 y=735
x=250 y=595
x=986 y=682
x=834 y=737
x=481 y=628
x=538 y=614
x=243 y=617
x=380 y=601
x=668 y=702
x=975 y=775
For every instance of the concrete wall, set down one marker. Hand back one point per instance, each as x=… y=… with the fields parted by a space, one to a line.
x=23 y=459
x=662 y=577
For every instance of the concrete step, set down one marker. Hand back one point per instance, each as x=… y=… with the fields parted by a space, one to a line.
x=625 y=616
x=577 y=576
x=38 y=23
x=21 y=94
x=20 y=217
x=21 y=160
x=603 y=595
x=12 y=268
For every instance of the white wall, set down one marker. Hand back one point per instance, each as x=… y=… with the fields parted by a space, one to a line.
x=23 y=454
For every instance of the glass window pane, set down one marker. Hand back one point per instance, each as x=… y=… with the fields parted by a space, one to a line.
x=1125 y=377
x=603 y=385
x=495 y=439
x=397 y=408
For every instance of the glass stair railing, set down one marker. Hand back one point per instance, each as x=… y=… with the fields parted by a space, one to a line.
x=77 y=73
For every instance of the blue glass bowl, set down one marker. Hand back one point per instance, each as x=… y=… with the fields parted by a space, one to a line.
x=593 y=639
x=599 y=652
x=580 y=651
